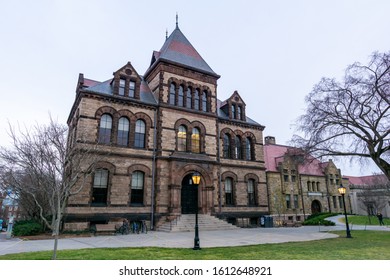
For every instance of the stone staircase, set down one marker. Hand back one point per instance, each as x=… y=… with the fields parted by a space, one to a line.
x=187 y=223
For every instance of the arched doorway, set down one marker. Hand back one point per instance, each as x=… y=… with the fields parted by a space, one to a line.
x=315 y=207
x=188 y=196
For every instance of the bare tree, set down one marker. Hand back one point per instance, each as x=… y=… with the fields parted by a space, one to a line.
x=350 y=117
x=39 y=163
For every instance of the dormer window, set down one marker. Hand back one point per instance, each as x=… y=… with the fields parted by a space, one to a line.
x=131 y=89
x=233 y=111
x=122 y=85
x=239 y=113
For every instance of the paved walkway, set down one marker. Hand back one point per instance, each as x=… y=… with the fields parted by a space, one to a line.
x=224 y=238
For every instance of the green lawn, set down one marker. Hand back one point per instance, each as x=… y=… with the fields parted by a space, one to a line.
x=365 y=245
x=365 y=220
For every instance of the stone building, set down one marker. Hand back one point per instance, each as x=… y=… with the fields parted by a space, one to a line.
x=370 y=194
x=155 y=130
x=300 y=185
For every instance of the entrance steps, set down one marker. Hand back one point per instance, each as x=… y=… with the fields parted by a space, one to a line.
x=186 y=222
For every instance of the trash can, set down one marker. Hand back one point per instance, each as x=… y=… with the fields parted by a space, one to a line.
x=262 y=221
x=268 y=221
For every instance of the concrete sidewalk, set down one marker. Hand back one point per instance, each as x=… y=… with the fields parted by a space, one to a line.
x=237 y=237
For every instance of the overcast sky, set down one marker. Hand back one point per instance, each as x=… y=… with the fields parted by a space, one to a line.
x=271 y=52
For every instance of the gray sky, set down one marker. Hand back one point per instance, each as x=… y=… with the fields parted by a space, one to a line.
x=271 y=52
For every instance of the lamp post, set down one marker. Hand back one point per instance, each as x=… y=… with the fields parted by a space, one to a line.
x=196 y=181
x=342 y=191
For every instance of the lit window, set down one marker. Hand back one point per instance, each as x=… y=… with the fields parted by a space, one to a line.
x=137 y=188
x=123 y=132
x=139 y=137
x=195 y=140
x=182 y=139
x=105 y=129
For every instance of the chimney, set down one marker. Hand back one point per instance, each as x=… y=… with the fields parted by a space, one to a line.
x=270 y=140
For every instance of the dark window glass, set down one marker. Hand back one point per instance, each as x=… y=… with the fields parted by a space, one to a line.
x=100 y=186
x=122 y=84
x=288 y=202
x=139 y=137
x=251 y=192
x=238 y=148
x=172 y=94
x=226 y=146
x=105 y=129
x=182 y=139
x=229 y=191
x=137 y=188
x=189 y=98
x=239 y=113
x=248 y=148
x=204 y=101
x=131 y=89
x=181 y=97
x=234 y=111
x=123 y=131
x=196 y=100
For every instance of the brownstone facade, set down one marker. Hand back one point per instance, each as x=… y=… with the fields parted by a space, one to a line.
x=154 y=131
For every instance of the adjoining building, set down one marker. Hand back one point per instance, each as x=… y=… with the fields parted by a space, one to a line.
x=370 y=195
x=300 y=185
x=154 y=131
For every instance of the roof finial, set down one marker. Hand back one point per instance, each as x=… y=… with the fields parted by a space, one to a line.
x=177 y=20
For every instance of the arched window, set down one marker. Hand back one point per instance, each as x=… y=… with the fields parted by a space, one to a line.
x=195 y=140
x=196 y=100
x=137 y=187
x=123 y=131
x=100 y=187
x=251 y=192
x=172 y=93
x=180 y=100
x=226 y=146
x=229 y=191
x=239 y=113
x=189 y=97
x=238 y=148
x=248 y=148
x=308 y=186
x=139 y=137
x=105 y=129
x=204 y=101
x=182 y=139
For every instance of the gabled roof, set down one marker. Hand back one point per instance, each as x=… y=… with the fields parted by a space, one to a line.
x=367 y=180
x=177 y=49
x=223 y=115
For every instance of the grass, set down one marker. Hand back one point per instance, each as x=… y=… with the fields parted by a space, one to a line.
x=365 y=245
x=365 y=220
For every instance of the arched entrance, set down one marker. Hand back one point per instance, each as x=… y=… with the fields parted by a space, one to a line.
x=315 y=207
x=188 y=196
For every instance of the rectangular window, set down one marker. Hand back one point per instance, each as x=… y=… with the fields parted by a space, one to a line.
x=122 y=84
x=285 y=177
x=100 y=185
x=229 y=191
x=137 y=188
x=295 y=201
x=288 y=202
x=251 y=192
x=131 y=89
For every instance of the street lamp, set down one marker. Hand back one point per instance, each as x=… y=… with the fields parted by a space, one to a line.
x=196 y=181
x=342 y=191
